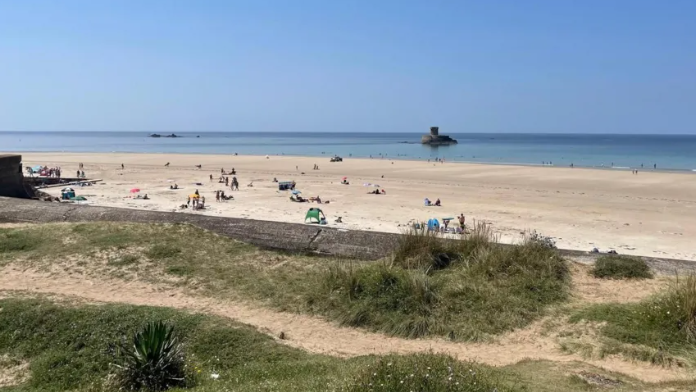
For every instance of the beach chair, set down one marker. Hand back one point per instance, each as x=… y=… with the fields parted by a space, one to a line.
x=315 y=213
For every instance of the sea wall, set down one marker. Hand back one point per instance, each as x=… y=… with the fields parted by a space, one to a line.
x=11 y=177
x=273 y=235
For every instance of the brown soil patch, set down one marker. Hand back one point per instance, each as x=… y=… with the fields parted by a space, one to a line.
x=12 y=372
x=15 y=225
x=313 y=334
x=587 y=288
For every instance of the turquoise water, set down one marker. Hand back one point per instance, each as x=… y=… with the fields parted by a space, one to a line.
x=669 y=152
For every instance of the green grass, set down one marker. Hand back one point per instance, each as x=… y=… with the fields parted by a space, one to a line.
x=482 y=289
x=621 y=267
x=440 y=373
x=17 y=241
x=660 y=329
x=71 y=347
x=459 y=289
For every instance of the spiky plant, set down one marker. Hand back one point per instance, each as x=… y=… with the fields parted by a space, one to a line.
x=153 y=360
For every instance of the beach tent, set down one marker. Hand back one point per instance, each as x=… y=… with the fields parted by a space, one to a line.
x=315 y=213
x=433 y=224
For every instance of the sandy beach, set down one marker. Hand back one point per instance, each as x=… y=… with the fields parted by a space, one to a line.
x=650 y=214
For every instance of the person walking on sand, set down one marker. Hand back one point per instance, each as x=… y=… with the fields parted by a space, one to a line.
x=123 y=167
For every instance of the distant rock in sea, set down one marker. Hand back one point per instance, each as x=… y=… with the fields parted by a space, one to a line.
x=435 y=139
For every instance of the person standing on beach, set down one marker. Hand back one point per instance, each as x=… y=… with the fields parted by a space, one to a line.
x=462 y=221
x=123 y=167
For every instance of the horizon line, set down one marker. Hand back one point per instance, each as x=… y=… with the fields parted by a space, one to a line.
x=357 y=132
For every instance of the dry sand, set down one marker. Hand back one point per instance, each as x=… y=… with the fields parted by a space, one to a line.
x=650 y=214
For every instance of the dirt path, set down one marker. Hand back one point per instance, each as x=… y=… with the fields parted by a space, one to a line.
x=313 y=334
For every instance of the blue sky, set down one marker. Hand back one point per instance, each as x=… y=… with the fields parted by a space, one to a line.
x=606 y=66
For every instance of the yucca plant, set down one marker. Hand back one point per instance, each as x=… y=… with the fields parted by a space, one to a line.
x=153 y=360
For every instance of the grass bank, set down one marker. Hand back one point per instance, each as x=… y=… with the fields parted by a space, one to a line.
x=69 y=346
x=461 y=289
x=660 y=329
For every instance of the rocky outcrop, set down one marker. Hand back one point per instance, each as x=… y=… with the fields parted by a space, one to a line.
x=435 y=139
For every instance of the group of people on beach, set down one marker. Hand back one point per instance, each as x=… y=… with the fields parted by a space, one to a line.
x=220 y=196
x=195 y=201
x=46 y=171
x=429 y=203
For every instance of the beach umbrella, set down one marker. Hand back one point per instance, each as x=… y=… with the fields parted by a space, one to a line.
x=135 y=190
x=193 y=195
x=296 y=192
x=345 y=178
x=444 y=219
x=68 y=190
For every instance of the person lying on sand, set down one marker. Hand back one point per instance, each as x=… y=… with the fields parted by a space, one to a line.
x=199 y=166
x=166 y=164
x=298 y=199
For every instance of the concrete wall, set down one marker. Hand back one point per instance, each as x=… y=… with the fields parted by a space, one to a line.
x=275 y=235
x=11 y=177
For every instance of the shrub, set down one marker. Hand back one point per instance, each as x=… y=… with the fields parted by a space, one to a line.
x=487 y=289
x=540 y=239
x=621 y=267
x=684 y=294
x=427 y=373
x=153 y=361
x=419 y=248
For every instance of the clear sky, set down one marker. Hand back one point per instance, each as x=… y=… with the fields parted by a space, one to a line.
x=576 y=66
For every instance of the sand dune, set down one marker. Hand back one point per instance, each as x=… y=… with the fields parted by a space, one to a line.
x=649 y=214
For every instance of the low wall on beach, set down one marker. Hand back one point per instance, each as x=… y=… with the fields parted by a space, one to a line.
x=274 y=235
x=11 y=176
x=365 y=245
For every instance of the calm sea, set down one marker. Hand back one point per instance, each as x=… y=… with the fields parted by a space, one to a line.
x=673 y=152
